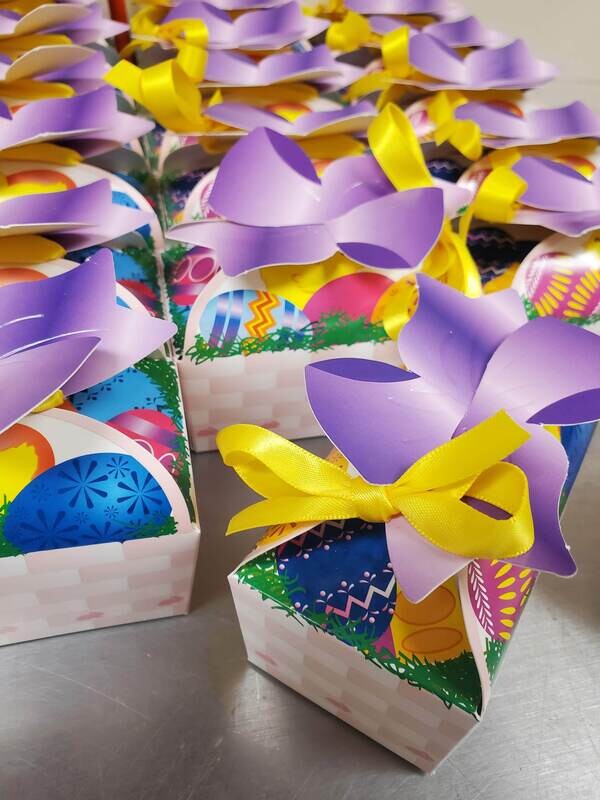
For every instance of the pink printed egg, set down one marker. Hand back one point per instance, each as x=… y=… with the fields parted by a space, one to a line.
x=498 y=593
x=354 y=295
x=191 y=275
x=154 y=431
x=563 y=285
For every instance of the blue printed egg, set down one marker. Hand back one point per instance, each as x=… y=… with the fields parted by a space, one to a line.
x=445 y=169
x=243 y=313
x=341 y=569
x=90 y=499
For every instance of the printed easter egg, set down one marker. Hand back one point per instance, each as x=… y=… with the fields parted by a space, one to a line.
x=90 y=499
x=197 y=205
x=10 y=275
x=58 y=181
x=446 y=169
x=243 y=313
x=154 y=431
x=191 y=274
x=341 y=570
x=562 y=285
x=420 y=120
x=494 y=251
x=432 y=629
x=498 y=593
x=24 y=454
x=354 y=295
x=105 y=401
x=179 y=193
x=289 y=111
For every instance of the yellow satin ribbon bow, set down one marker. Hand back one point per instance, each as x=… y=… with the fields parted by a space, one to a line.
x=399 y=154
x=463 y=134
x=301 y=487
x=352 y=32
x=165 y=90
x=189 y=36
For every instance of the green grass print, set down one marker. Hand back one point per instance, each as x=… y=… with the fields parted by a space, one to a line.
x=455 y=682
x=329 y=331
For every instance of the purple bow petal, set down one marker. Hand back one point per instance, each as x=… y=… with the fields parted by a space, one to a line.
x=349 y=119
x=269 y=29
x=553 y=186
x=240 y=248
x=266 y=158
x=70 y=333
x=451 y=338
x=380 y=417
x=439 y=8
x=465 y=32
x=521 y=378
x=501 y=128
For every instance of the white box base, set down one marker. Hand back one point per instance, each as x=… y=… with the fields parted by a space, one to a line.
x=409 y=721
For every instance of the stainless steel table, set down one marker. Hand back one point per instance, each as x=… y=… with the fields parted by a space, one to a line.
x=170 y=710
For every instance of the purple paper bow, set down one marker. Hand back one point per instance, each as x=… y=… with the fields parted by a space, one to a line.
x=501 y=128
x=347 y=119
x=76 y=218
x=80 y=67
x=468 y=359
x=89 y=123
x=318 y=65
x=68 y=333
x=82 y=24
x=509 y=67
x=275 y=210
x=443 y=9
x=268 y=29
x=465 y=32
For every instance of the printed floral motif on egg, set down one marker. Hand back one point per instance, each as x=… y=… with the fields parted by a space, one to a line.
x=564 y=285
x=90 y=499
x=498 y=593
x=341 y=570
x=246 y=313
x=154 y=431
x=191 y=274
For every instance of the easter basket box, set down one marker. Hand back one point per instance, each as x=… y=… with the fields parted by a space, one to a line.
x=251 y=314
x=98 y=518
x=242 y=345
x=369 y=613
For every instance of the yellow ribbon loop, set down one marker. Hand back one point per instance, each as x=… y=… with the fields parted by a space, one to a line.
x=496 y=200
x=30 y=249
x=164 y=90
x=301 y=487
x=395 y=52
x=351 y=33
x=464 y=135
x=397 y=150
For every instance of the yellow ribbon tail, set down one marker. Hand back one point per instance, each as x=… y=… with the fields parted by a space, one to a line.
x=301 y=487
x=395 y=52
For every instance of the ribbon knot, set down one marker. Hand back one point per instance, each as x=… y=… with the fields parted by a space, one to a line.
x=435 y=494
x=464 y=135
